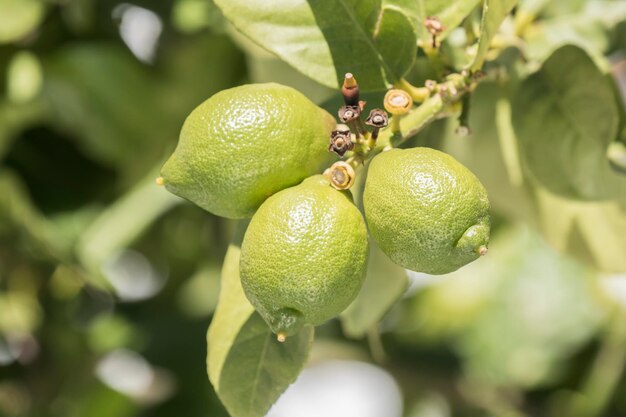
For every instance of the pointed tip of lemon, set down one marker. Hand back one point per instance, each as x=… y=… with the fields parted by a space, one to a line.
x=482 y=251
x=281 y=337
x=160 y=181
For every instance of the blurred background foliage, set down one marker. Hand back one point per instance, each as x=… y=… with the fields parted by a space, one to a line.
x=108 y=283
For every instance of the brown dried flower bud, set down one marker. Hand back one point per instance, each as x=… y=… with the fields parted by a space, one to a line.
x=340 y=142
x=349 y=113
x=378 y=118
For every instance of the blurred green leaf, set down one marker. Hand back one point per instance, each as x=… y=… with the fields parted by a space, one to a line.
x=617 y=156
x=110 y=102
x=191 y=16
x=22 y=221
x=109 y=332
x=18 y=18
x=199 y=295
x=195 y=68
x=565 y=121
x=384 y=284
x=247 y=366
x=587 y=28
x=16 y=117
x=324 y=40
x=494 y=12
x=544 y=310
x=491 y=150
x=24 y=77
x=21 y=313
x=595 y=232
x=517 y=315
x=123 y=222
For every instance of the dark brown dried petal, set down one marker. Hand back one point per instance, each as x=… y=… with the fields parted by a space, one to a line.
x=349 y=113
x=340 y=142
x=377 y=118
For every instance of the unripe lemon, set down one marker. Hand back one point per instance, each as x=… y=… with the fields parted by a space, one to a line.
x=244 y=144
x=425 y=210
x=304 y=255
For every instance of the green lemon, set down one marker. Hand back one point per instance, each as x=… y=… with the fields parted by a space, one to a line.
x=425 y=210
x=304 y=255
x=246 y=143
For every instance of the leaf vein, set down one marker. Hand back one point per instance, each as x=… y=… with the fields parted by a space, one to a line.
x=255 y=382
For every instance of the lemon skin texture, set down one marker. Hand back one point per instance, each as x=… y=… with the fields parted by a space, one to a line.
x=304 y=256
x=246 y=143
x=425 y=210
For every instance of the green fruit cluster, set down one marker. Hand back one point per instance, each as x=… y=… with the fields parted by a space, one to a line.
x=256 y=151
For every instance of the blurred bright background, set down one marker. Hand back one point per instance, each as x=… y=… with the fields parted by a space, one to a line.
x=108 y=283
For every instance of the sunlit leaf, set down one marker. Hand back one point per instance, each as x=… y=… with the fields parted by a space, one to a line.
x=248 y=367
x=565 y=121
x=326 y=39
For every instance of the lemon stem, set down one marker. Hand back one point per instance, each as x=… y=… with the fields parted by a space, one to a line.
x=281 y=337
x=411 y=123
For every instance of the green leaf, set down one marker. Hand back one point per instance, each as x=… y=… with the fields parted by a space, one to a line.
x=384 y=284
x=484 y=308
x=18 y=18
x=564 y=121
x=450 y=13
x=494 y=12
x=324 y=40
x=595 y=232
x=247 y=366
x=491 y=150
x=587 y=28
x=393 y=39
x=116 y=118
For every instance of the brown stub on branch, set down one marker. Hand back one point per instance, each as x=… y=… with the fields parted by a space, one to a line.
x=350 y=90
x=348 y=114
x=434 y=27
x=378 y=119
